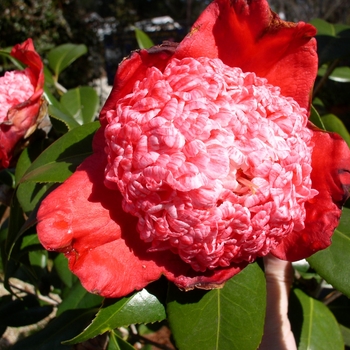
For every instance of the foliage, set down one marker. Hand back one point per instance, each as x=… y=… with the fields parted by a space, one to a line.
x=228 y=318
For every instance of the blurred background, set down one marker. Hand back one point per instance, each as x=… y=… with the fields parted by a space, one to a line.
x=106 y=27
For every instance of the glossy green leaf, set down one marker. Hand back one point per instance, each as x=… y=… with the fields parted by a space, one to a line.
x=345 y=332
x=117 y=343
x=30 y=193
x=60 y=264
x=60 y=160
x=79 y=298
x=333 y=123
x=316 y=119
x=333 y=263
x=228 y=318
x=59 y=329
x=81 y=103
x=339 y=74
x=65 y=118
x=141 y=307
x=143 y=40
x=319 y=329
x=62 y=56
x=323 y=27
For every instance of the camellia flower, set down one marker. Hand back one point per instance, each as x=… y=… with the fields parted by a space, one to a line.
x=205 y=160
x=20 y=99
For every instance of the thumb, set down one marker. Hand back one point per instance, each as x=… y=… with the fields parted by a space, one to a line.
x=277 y=330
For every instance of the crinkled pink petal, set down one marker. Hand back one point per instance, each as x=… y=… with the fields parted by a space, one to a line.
x=331 y=177
x=21 y=99
x=84 y=220
x=173 y=157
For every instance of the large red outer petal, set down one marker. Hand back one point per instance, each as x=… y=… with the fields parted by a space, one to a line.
x=248 y=35
x=23 y=116
x=331 y=178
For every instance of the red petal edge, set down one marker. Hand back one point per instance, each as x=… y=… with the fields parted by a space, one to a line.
x=248 y=35
x=331 y=178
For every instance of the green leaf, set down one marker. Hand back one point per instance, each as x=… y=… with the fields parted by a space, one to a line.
x=319 y=329
x=29 y=194
x=323 y=27
x=81 y=103
x=316 y=119
x=61 y=266
x=59 y=329
x=333 y=263
x=79 y=298
x=65 y=118
x=227 y=318
x=143 y=40
x=346 y=334
x=141 y=307
x=62 y=56
x=333 y=123
x=117 y=343
x=339 y=74
x=60 y=159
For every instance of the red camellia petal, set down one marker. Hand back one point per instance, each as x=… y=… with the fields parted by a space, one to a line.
x=247 y=34
x=21 y=118
x=85 y=220
x=331 y=177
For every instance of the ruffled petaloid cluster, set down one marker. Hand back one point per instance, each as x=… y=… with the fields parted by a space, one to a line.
x=214 y=162
x=21 y=100
x=15 y=87
x=204 y=160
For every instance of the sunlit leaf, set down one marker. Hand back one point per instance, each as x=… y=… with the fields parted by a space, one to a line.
x=62 y=56
x=81 y=103
x=65 y=118
x=60 y=160
x=319 y=328
x=143 y=40
x=316 y=119
x=339 y=74
x=323 y=27
x=229 y=318
x=141 y=307
x=333 y=263
x=333 y=123
x=117 y=343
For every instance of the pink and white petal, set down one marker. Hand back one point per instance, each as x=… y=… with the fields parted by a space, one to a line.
x=134 y=68
x=248 y=35
x=331 y=178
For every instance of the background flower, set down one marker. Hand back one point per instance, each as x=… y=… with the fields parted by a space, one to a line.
x=20 y=99
x=85 y=220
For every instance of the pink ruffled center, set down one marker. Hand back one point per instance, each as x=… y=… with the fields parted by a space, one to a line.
x=15 y=88
x=214 y=162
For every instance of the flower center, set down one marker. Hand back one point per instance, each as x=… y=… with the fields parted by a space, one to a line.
x=15 y=88
x=214 y=162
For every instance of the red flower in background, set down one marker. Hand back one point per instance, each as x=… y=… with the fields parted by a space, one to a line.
x=20 y=99
x=204 y=160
